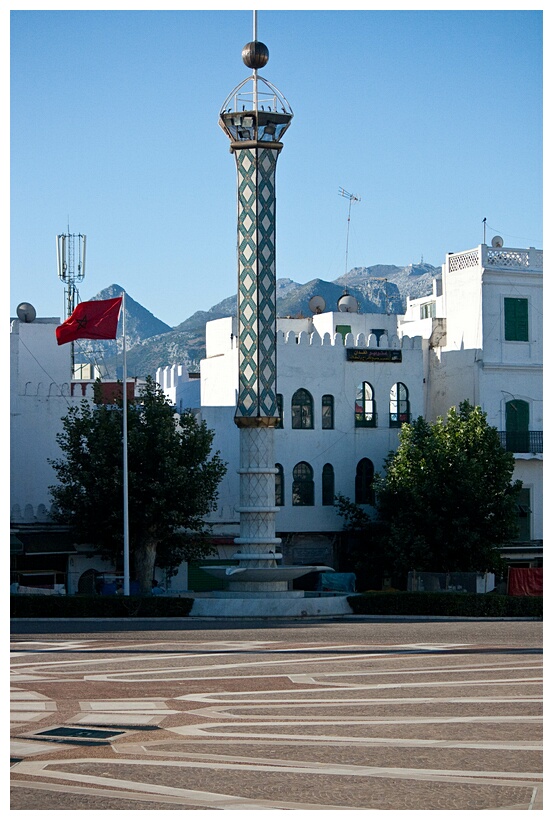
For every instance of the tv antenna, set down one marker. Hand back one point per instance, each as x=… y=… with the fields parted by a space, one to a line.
x=69 y=246
x=352 y=198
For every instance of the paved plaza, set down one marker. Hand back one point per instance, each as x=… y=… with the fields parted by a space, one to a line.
x=339 y=714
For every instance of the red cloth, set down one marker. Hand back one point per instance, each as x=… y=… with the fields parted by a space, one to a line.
x=525 y=581
x=91 y=320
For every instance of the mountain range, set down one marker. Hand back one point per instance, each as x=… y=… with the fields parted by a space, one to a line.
x=151 y=343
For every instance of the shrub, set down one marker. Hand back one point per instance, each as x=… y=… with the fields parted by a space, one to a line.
x=99 y=606
x=462 y=604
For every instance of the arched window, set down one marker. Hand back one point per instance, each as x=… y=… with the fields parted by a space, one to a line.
x=328 y=485
x=302 y=410
x=303 y=490
x=399 y=405
x=365 y=406
x=88 y=582
x=517 y=421
x=279 y=486
x=328 y=412
x=280 y=407
x=364 y=476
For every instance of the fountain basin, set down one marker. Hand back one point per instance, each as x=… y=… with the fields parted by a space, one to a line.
x=263 y=574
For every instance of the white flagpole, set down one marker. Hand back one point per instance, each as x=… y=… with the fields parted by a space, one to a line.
x=126 y=572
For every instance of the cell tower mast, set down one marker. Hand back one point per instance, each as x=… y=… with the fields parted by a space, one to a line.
x=71 y=250
x=65 y=246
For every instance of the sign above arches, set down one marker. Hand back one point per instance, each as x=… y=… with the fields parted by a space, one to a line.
x=372 y=355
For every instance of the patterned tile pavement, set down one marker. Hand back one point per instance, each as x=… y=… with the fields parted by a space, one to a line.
x=304 y=716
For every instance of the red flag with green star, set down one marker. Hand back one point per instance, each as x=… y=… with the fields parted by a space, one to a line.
x=91 y=320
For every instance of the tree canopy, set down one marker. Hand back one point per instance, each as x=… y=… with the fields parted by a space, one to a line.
x=447 y=500
x=172 y=481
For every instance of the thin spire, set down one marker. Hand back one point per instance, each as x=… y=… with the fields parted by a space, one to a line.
x=255 y=106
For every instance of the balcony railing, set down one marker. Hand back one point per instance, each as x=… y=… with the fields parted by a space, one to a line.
x=505 y=258
x=529 y=442
x=397 y=419
x=366 y=419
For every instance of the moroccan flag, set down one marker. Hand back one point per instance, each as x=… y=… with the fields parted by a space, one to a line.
x=91 y=320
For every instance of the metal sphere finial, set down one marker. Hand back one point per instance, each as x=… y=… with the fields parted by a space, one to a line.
x=255 y=54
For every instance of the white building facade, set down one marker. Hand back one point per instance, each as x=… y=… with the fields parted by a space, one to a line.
x=345 y=382
x=484 y=324
x=478 y=337
x=43 y=555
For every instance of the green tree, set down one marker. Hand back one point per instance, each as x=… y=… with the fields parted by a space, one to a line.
x=361 y=546
x=172 y=481
x=447 y=500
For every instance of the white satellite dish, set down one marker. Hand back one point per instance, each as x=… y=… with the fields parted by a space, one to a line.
x=26 y=312
x=317 y=304
x=497 y=242
x=348 y=303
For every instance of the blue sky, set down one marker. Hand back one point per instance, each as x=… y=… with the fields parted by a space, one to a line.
x=432 y=118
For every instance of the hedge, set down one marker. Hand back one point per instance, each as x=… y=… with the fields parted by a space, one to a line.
x=463 y=604
x=99 y=606
x=471 y=605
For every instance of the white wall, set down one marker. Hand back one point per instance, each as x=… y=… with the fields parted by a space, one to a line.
x=39 y=397
x=180 y=389
x=462 y=296
x=318 y=365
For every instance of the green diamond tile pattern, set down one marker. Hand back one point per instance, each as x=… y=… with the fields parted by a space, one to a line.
x=256 y=282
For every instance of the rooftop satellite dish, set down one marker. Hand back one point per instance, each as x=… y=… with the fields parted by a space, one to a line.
x=348 y=304
x=317 y=304
x=497 y=242
x=26 y=312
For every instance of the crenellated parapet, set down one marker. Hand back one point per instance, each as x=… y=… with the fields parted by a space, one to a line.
x=171 y=376
x=29 y=514
x=45 y=389
x=360 y=340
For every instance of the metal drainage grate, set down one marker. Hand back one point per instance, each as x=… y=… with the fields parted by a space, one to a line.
x=93 y=734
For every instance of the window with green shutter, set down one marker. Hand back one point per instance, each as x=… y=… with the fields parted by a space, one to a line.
x=524 y=515
x=343 y=330
x=516 y=320
x=517 y=422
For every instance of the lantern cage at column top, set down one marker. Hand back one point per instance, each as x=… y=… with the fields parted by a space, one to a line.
x=255 y=111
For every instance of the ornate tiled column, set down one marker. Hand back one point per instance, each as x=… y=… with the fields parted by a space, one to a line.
x=254 y=117
x=256 y=166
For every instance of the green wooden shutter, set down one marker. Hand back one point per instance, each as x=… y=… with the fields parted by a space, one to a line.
x=524 y=515
x=517 y=420
x=516 y=320
x=343 y=330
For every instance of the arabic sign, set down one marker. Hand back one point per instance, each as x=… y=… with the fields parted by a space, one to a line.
x=372 y=355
